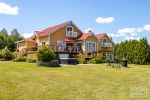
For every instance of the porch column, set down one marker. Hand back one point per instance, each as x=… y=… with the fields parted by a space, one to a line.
x=49 y=39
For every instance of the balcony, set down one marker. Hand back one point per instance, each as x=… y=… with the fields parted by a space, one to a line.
x=71 y=34
x=67 y=49
x=106 y=44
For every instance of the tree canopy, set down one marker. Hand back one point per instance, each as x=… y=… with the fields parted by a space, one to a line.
x=9 y=40
x=136 y=51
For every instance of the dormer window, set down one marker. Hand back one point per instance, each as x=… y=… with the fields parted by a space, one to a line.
x=104 y=40
x=69 y=31
x=69 y=28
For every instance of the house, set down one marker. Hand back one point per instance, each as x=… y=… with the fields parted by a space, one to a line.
x=67 y=40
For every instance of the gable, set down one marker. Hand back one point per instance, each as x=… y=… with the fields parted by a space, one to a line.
x=51 y=30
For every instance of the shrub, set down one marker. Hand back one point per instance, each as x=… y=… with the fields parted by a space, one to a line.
x=46 y=54
x=31 y=60
x=20 y=59
x=80 y=59
x=6 y=54
x=97 y=60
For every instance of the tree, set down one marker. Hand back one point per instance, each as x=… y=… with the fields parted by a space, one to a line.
x=9 y=40
x=15 y=35
x=137 y=51
x=6 y=54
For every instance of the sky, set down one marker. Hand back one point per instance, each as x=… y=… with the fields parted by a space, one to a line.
x=120 y=19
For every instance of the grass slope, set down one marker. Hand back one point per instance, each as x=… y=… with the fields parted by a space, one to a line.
x=26 y=81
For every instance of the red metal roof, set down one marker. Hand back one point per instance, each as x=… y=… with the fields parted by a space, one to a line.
x=100 y=35
x=46 y=31
x=67 y=40
x=84 y=36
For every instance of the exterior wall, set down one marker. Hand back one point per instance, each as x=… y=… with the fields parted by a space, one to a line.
x=39 y=40
x=22 y=45
x=100 y=48
x=106 y=51
x=30 y=44
x=92 y=39
x=60 y=35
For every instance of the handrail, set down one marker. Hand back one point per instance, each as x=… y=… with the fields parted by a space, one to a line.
x=55 y=48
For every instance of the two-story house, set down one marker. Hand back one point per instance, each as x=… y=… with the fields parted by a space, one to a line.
x=67 y=40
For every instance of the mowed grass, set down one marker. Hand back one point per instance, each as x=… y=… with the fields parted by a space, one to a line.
x=26 y=81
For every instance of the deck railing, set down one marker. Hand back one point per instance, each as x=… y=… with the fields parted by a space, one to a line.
x=56 y=48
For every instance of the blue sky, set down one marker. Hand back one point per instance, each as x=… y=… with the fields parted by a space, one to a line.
x=122 y=19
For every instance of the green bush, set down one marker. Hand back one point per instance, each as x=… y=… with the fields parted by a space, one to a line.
x=6 y=54
x=80 y=59
x=97 y=60
x=20 y=59
x=46 y=54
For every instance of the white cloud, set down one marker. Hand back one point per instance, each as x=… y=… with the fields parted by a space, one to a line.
x=131 y=38
x=86 y=30
x=129 y=33
x=7 y=9
x=105 y=20
x=147 y=27
x=27 y=35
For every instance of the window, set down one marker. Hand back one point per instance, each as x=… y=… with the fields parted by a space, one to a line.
x=61 y=43
x=69 y=28
x=104 y=40
x=91 y=46
x=74 y=34
x=43 y=43
x=69 y=31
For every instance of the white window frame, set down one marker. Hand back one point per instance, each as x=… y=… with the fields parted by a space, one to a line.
x=67 y=32
x=88 y=47
x=74 y=34
x=103 y=45
x=104 y=39
x=43 y=42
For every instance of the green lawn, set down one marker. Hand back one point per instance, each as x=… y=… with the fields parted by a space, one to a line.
x=26 y=81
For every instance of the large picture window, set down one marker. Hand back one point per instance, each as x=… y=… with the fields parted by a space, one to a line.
x=61 y=43
x=91 y=46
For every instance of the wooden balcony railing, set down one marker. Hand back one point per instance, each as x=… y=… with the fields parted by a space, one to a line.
x=55 y=48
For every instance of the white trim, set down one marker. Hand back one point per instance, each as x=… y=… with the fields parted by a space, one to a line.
x=43 y=42
x=103 y=39
x=61 y=43
x=49 y=39
x=69 y=31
